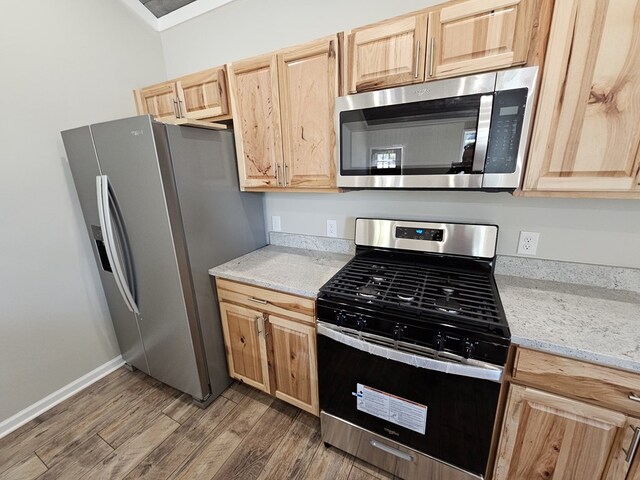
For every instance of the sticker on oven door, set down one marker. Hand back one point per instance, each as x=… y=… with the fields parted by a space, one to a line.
x=393 y=409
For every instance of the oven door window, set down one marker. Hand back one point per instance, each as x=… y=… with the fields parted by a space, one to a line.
x=421 y=138
x=460 y=410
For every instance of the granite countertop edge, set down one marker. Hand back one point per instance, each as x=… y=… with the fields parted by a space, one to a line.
x=281 y=287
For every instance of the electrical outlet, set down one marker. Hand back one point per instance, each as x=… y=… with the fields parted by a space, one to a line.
x=332 y=228
x=528 y=243
x=275 y=223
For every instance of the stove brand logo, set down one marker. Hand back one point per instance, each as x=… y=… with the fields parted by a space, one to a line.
x=421 y=91
x=137 y=133
x=391 y=432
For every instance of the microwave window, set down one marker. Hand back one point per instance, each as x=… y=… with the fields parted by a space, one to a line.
x=430 y=137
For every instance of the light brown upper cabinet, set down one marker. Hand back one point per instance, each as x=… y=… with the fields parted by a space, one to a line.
x=160 y=101
x=457 y=38
x=255 y=103
x=195 y=99
x=386 y=54
x=586 y=138
x=283 y=108
x=479 y=35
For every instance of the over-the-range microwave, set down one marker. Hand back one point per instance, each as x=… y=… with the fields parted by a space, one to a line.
x=461 y=133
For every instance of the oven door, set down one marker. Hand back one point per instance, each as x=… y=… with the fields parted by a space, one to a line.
x=442 y=409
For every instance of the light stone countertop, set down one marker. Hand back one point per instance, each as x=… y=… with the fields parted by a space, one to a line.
x=597 y=324
x=294 y=270
x=590 y=323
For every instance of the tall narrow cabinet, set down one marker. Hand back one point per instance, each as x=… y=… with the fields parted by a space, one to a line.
x=586 y=136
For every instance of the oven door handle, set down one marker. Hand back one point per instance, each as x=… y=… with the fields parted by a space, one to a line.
x=393 y=451
x=480 y=371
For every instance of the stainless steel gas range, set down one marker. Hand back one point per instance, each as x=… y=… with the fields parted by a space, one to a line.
x=412 y=342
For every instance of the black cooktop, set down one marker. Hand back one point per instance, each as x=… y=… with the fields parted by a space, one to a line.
x=440 y=301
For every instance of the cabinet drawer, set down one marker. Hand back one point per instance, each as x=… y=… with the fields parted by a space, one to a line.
x=594 y=383
x=291 y=306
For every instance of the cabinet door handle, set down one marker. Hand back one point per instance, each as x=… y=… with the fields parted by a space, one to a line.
x=175 y=108
x=285 y=174
x=432 y=49
x=631 y=452
x=277 y=175
x=180 y=107
x=257 y=300
x=634 y=397
x=257 y=325
x=417 y=69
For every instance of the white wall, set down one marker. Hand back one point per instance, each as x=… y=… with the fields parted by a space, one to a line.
x=64 y=64
x=590 y=231
x=585 y=231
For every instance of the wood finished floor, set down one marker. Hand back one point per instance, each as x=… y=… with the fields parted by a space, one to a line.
x=128 y=426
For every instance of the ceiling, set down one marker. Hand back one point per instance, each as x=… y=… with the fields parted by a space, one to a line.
x=163 y=14
x=160 y=8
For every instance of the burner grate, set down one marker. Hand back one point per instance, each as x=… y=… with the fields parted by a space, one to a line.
x=419 y=288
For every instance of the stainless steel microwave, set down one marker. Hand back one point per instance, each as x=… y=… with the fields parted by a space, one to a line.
x=462 y=133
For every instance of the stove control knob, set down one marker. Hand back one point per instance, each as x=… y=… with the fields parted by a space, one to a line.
x=341 y=318
x=361 y=322
x=468 y=348
x=397 y=331
x=439 y=341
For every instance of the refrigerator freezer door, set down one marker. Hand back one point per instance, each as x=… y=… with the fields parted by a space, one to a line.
x=84 y=166
x=220 y=223
x=128 y=155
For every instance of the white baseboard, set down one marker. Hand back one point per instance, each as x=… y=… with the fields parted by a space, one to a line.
x=16 y=421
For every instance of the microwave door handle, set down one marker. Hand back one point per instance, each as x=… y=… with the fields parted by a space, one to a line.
x=482 y=134
x=104 y=213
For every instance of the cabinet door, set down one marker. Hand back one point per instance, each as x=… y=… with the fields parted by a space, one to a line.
x=157 y=100
x=255 y=104
x=308 y=77
x=479 y=35
x=552 y=437
x=294 y=365
x=586 y=134
x=245 y=346
x=625 y=448
x=387 y=54
x=203 y=94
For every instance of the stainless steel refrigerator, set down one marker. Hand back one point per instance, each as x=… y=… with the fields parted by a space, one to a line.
x=162 y=205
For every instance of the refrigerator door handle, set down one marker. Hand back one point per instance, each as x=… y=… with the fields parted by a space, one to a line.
x=104 y=212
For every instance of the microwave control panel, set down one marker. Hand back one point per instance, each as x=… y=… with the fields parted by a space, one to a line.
x=504 y=134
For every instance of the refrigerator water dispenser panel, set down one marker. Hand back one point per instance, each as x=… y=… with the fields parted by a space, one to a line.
x=102 y=250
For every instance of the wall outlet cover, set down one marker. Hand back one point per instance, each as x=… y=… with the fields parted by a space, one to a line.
x=275 y=223
x=332 y=228
x=528 y=243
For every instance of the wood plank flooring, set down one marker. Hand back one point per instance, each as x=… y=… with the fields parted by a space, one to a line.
x=129 y=426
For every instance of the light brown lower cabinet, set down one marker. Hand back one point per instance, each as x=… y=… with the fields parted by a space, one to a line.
x=243 y=331
x=270 y=342
x=588 y=429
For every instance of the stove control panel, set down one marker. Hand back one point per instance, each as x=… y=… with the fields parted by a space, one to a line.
x=429 y=234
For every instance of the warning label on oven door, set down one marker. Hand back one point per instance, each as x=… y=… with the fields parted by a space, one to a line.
x=394 y=409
